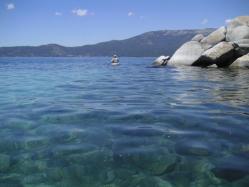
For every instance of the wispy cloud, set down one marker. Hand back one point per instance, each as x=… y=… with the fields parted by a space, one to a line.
x=204 y=21
x=228 y=21
x=10 y=6
x=58 y=14
x=131 y=13
x=80 y=12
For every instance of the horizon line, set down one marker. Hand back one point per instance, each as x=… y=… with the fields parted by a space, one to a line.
x=61 y=45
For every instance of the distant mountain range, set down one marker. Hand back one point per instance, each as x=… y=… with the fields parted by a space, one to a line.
x=149 y=44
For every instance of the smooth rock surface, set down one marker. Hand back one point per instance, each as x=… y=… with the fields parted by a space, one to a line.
x=241 y=62
x=242 y=42
x=242 y=47
x=214 y=38
x=198 y=37
x=240 y=20
x=187 y=54
x=238 y=29
x=222 y=54
x=161 y=61
x=238 y=33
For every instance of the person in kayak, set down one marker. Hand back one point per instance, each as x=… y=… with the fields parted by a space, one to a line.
x=115 y=59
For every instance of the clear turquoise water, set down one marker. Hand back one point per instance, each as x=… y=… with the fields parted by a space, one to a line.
x=69 y=122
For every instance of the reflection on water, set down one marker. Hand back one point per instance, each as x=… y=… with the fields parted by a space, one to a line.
x=82 y=122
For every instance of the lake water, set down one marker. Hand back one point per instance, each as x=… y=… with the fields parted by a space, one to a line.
x=72 y=122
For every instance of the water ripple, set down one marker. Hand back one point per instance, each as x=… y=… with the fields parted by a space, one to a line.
x=80 y=121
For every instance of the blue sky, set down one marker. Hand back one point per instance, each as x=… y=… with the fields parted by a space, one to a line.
x=79 y=22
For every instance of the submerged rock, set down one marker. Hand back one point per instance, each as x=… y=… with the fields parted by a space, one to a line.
x=222 y=54
x=11 y=182
x=155 y=163
x=33 y=179
x=141 y=180
x=162 y=183
x=187 y=54
x=4 y=162
x=231 y=168
x=57 y=173
x=214 y=38
x=193 y=148
x=161 y=61
x=241 y=62
x=149 y=160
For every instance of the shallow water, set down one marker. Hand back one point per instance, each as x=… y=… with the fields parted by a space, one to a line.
x=69 y=122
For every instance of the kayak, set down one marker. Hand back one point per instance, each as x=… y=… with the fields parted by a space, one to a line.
x=115 y=60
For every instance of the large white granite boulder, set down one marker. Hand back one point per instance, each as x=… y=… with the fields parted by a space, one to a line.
x=161 y=61
x=222 y=54
x=238 y=29
x=238 y=32
x=214 y=38
x=241 y=62
x=187 y=54
x=197 y=37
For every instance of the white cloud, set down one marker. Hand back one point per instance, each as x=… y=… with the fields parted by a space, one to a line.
x=58 y=14
x=10 y=6
x=80 y=12
x=228 y=21
x=204 y=21
x=131 y=13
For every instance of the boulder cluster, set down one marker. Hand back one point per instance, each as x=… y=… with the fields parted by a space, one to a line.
x=226 y=46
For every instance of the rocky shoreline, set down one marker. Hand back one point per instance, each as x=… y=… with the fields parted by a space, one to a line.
x=227 y=46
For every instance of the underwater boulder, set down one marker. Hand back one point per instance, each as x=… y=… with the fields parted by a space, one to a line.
x=4 y=162
x=141 y=180
x=193 y=148
x=149 y=159
x=231 y=168
x=156 y=163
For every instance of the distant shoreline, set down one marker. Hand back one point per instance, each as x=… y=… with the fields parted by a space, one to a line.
x=154 y=43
